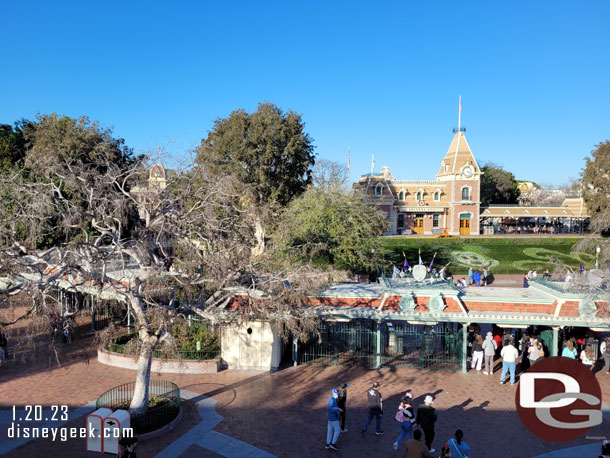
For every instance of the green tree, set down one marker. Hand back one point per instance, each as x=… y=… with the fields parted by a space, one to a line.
x=268 y=151
x=498 y=186
x=596 y=181
x=12 y=145
x=333 y=227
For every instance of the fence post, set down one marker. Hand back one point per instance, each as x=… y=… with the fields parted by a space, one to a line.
x=295 y=352
x=378 y=344
x=465 y=347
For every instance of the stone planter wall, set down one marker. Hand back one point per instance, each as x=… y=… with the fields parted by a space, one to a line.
x=164 y=366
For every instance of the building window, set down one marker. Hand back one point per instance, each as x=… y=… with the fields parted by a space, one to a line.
x=401 y=195
x=419 y=196
x=435 y=219
x=437 y=196
x=379 y=190
x=465 y=193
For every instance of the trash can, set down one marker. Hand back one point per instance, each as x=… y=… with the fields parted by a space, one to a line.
x=95 y=422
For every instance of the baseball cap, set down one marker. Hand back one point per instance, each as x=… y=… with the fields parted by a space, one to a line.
x=344 y=385
x=335 y=391
x=429 y=399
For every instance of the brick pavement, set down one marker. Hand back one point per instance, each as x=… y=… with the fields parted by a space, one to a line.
x=285 y=413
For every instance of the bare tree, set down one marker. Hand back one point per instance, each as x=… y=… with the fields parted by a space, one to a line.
x=193 y=235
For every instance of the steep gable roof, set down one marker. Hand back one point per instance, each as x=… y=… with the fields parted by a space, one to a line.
x=458 y=155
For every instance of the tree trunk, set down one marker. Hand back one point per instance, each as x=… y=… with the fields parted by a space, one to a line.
x=139 y=402
x=259 y=233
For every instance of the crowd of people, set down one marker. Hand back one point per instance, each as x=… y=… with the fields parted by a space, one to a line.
x=476 y=277
x=413 y=425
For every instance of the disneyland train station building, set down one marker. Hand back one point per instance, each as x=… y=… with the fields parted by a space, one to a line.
x=452 y=202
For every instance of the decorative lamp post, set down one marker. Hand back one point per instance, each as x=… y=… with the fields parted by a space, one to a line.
x=597 y=251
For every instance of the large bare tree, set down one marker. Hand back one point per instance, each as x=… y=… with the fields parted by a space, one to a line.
x=193 y=236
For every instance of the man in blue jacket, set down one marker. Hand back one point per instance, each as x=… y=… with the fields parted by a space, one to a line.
x=333 y=428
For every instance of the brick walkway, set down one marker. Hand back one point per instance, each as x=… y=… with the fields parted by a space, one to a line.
x=285 y=413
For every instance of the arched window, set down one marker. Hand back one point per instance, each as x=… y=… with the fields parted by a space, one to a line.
x=401 y=194
x=419 y=196
x=437 y=195
x=379 y=189
x=465 y=193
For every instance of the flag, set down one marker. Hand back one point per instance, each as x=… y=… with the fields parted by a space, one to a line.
x=420 y=256
x=432 y=262
x=395 y=273
x=348 y=159
x=582 y=268
x=372 y=163
x=405 y=265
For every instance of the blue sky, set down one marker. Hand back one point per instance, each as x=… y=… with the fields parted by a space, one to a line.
x=381 y=77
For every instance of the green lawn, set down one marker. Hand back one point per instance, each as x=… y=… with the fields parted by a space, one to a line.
x=499 y=255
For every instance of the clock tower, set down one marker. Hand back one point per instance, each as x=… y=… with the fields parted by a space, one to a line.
x=460 y=171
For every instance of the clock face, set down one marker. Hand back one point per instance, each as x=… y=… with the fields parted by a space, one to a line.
x=468 y=171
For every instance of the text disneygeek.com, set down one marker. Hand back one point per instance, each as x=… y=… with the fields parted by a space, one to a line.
x=16 y=431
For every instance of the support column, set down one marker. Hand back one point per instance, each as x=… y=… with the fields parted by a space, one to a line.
x=378 y=345
x=295 y=352
x=555 y=341
x=465 y=347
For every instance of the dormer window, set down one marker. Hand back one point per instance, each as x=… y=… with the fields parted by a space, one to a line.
x=379 y=189
x=437 y=195
x=419 y=196
x=446 y=168
x=402 y=195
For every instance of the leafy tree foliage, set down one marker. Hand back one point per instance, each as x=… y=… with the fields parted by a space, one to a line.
x=330 y=225
x=596 y=181
x=12 y=145
x=498 y=186
x=53 y=149
x=268 y=150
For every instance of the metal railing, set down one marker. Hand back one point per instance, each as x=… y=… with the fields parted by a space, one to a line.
x=164 y=404
x=192 y=355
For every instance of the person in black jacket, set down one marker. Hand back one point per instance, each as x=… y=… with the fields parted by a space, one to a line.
x=341 y=400
x=375 y=405
x=426 y=418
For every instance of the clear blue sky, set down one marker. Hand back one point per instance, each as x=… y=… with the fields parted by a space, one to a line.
x=382 y=77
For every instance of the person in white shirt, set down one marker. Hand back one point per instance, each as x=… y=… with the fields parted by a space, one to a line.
x=509 y=358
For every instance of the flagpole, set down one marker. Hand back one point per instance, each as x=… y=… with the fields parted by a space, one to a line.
x=348 y=165
x=460 y=114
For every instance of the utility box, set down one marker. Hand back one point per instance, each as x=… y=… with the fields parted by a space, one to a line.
x=95 y=423
x=114 y=425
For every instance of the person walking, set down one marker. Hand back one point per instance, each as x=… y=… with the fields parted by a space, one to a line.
x=569 y=351
x=426 y=418
x=470 y=275
x=457 y=446
x=605 y=350
x=341 y=401
x=375 y=405
x=509 y=356
x=416 y=448
x=489 y=349
x=484 y=276
x=477 y=353
x=526 y=282
x=333 y=429
x=404 y=415
x=587 y=357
